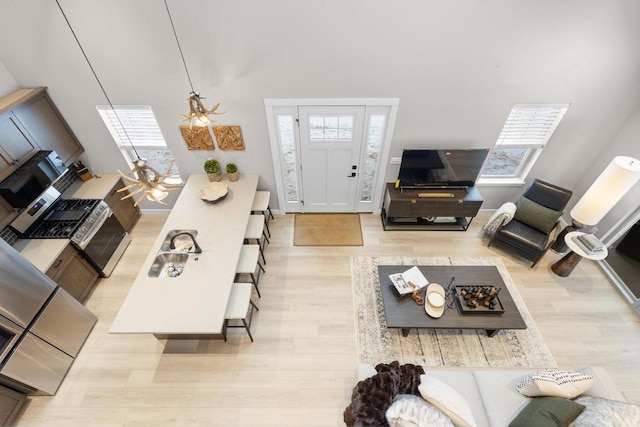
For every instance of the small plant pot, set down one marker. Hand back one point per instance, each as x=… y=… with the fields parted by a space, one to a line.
x=232 y=176
x=214 y=177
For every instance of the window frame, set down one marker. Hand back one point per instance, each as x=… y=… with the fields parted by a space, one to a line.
x=125 y=132
x=534 y=138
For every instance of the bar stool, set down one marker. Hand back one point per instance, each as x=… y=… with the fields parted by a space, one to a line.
x=248 y=263
x=261 y=205
x=239 y=307
x=256 y=231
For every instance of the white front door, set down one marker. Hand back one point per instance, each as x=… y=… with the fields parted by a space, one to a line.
x=330 y=153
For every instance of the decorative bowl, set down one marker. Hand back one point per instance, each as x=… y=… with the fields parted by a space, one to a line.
x=214 y=192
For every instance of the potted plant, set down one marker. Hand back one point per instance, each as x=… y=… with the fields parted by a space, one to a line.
x=212 y=168
x=232 y=172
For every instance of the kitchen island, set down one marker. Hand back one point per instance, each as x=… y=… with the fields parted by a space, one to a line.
x=193 y=304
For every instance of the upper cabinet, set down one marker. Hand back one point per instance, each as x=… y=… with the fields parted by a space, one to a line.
x=16 y=146
x=45 y=123
x=29 y=121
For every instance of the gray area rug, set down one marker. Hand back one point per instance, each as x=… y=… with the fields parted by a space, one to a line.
x=447 y=348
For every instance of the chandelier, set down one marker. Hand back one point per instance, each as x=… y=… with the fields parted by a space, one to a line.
x=198 y=114
x=153 y=185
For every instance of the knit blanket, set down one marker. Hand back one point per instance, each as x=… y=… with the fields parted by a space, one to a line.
x=500 y=217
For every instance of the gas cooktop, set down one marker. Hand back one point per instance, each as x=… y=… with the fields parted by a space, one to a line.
x=63 y=219
x=52 y=217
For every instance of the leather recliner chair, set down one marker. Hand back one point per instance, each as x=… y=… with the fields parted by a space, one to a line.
x=530 y=233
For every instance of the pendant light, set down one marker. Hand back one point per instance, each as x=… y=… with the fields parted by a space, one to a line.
x=198 y=114
x=152 y=184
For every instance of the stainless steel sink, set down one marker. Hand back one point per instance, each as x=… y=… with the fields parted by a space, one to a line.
x=182 y=243
x=168 y=264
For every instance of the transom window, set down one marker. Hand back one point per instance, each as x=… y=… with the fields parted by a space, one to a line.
x=525 y=133
x=137 y=125
x=331 y=128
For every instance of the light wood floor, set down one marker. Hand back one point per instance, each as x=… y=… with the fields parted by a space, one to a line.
x=300 y=369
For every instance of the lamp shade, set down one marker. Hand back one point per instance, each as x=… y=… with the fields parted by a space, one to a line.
x=612 y=184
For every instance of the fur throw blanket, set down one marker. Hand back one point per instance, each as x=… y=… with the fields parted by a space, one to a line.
x=372 y=397
x=500 y=217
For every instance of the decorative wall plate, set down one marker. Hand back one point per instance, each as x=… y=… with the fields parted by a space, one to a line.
x=197 y=138
x=229 y=137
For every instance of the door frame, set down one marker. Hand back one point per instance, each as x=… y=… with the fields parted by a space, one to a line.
x=609 y=238
x=373 y=104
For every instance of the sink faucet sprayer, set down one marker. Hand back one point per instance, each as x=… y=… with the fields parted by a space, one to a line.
x=197 y=249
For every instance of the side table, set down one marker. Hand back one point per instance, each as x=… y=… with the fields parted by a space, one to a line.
x=567 y=263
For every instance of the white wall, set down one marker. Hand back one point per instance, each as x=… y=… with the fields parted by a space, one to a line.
x=7 y=83
x=457 y=67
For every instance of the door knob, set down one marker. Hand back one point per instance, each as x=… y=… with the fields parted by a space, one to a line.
x=352 y=175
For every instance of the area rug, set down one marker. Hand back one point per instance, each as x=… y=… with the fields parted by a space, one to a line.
x=327 y=230
x=447 y=348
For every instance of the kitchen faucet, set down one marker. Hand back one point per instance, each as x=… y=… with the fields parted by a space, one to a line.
x=197 y=249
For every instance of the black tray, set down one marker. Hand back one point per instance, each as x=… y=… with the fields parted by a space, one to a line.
x=463 y=308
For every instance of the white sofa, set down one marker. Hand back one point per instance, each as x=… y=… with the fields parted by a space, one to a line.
x=492 y=393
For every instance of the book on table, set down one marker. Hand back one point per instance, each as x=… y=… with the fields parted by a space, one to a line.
x=588 y=243
x=401 y=280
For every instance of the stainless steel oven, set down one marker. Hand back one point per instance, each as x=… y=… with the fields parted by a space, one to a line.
x=88 y=223
x=104 y=243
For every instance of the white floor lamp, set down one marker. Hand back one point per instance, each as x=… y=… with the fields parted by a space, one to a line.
x=613 y=183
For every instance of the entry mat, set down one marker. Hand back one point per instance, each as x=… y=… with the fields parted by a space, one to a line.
x=327 y=230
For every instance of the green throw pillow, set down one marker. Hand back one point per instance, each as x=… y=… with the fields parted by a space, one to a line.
x=547 y=412
x=535 y=215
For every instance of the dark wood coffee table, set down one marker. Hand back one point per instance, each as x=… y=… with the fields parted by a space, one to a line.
x=404 y=313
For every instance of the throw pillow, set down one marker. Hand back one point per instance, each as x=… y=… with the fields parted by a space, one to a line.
x=535 y=215
x=603 y=412
x=547 y=412
x=448 y=400
x=555 y=382
x=408 y=410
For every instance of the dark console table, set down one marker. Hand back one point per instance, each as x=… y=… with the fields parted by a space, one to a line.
x=429 y=208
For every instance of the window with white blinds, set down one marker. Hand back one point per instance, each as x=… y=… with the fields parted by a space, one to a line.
x=525 y=133
x=136 y=126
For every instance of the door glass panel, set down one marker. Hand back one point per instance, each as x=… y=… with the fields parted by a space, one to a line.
x=287 y=143
x=331 y=128
x=375 y=132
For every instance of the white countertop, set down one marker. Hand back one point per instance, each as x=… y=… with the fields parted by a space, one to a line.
x=194 y=302
x=43 y=252
x=96 y=188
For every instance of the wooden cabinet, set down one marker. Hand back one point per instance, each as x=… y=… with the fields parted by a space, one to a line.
x=451 y=209
x=73 y=273
x=16 y=145
x=10 y=404
x=124 y=210
x=47 y=126
x=29 y=121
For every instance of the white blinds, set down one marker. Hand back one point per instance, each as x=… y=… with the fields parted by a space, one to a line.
x=138 y=120
x=531 y=125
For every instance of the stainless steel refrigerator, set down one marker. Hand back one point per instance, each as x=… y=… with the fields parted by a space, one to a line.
x=42 y=327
